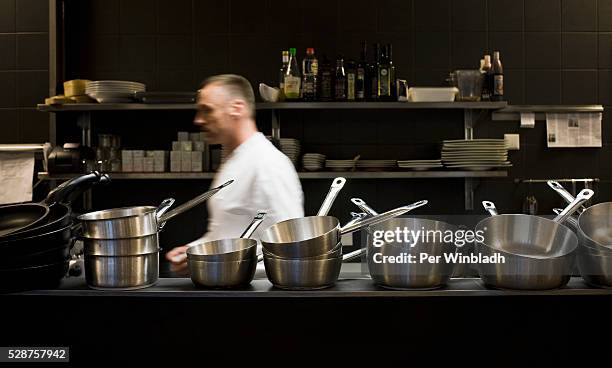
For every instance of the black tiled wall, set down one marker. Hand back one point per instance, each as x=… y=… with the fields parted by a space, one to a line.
x=24 y=75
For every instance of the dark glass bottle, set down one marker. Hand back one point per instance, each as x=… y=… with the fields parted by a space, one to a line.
x=340 y=80
x=498 y=78
x=385 y=80
x=310 y=76
x=392 y=75
x=350 y=80
x=373 y=74
x=361 y=86
x=326 y=93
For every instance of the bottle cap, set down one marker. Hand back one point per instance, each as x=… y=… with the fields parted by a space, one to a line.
x=487 y=57
x=496 y=55
x=292 y=51
x=310 y=51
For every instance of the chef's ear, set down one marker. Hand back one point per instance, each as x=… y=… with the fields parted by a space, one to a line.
x=238 y=108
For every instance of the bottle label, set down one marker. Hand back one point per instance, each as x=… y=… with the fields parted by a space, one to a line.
x=340 y=91
x=498 y=85
x=326 y=86
x=360 y=84
x=350 y=85
x=314 y=67
x=308 y=88
x=292 y=86
x=385 y=84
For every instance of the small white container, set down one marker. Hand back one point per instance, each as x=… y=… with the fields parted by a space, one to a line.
x=432 y=94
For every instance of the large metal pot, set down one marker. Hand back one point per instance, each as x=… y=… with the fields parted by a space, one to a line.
x=317 y=235
x=596 y=270
x=122 y=272
x=121 y=247
x=133 y=222
x=406 y=276
x=538 y=253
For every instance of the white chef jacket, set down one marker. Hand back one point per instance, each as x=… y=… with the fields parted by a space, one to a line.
x=264 y=180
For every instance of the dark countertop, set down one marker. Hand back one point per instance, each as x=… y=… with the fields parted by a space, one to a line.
x=352 y=284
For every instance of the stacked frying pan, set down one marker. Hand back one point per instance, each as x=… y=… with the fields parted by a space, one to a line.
x=594 y=230
x=306 y=253
x=36 y=238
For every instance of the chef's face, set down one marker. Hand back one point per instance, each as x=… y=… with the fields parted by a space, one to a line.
x=213 y=114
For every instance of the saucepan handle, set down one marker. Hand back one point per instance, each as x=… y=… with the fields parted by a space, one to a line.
x=257 y=220
x=363 y=206
x=567 y=196
x=382 y=217
x=571 y=220
x=335 y=188
x=490 y=207
x=582 y=197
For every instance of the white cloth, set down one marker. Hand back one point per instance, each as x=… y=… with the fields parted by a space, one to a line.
x=264 y=180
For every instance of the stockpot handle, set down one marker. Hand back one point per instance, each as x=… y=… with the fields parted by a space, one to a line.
x=363 y=206
x=582 y=197
x=335 y=188
x=490 y=207
x=161 y=209
x=257 y=220
x=567 y=196
x=382 y=217
x=353 y=255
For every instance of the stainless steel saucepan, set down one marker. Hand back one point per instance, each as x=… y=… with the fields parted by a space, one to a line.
x=316 y=235
x=225 y=250
x=427 y=238
x=133 y=222
x=538 y=253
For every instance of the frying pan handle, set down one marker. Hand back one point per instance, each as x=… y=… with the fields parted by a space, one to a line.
x=490 y=207
x=356 y=217
x=192 y=203
x=571 y=220
x=257 y=220
x=353 y=255
x=382 y=217
x=582 y=197
x=567 y=196
x=69 y=190
x=335 y=188
x=363 y=206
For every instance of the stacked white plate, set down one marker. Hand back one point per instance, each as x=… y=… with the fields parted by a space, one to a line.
x=111 y=91
x=340 y=165
x=420 y=165
x=475 y=154
x=313 y=161
x=291 y=148
x=376 y=164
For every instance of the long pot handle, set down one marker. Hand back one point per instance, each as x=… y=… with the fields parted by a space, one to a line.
x=68 y=190
x=571 y=220
x=257 y=220
x=192 y=203
x=363 y=206
x=331 y=196
x=582 y=197
x=567 y=196
x=353 y=255
x=382 y=217
x=490 y=207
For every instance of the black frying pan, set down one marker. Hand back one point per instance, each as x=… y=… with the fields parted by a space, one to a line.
x=28 y=219
x=38 y=243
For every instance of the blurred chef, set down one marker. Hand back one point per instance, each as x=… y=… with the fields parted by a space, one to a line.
x=265 y=179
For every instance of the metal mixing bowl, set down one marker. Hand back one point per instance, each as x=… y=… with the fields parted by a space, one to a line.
x=230 y=274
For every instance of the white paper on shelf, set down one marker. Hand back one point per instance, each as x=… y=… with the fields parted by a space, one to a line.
x=573 y=130
x=16 y=173
x=527 y=120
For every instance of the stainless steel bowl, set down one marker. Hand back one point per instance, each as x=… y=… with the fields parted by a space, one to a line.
x=525 y=273
x=121 y=247
x=299 y=274
x=222 y=275
x=595 y=270
x=122 y=272
x=225 y=250
x=418 y=275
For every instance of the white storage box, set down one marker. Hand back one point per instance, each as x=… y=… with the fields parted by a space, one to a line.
x=432 y=94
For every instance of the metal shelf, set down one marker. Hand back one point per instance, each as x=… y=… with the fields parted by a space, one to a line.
x=282 y=106
x=513 y=113
x=302 y=175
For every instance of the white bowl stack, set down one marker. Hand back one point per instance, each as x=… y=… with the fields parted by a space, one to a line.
x=475 y=154
x=112 y=91
x=313 y=161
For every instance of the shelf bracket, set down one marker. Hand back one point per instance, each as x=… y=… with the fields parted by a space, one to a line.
x=84 y=122
x=471 y=117
x=276 y=126
x=470 y=185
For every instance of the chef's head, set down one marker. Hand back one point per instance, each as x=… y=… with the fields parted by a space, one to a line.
x=224 y=103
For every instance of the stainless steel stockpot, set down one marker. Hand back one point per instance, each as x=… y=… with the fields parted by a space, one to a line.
x=122 y=272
